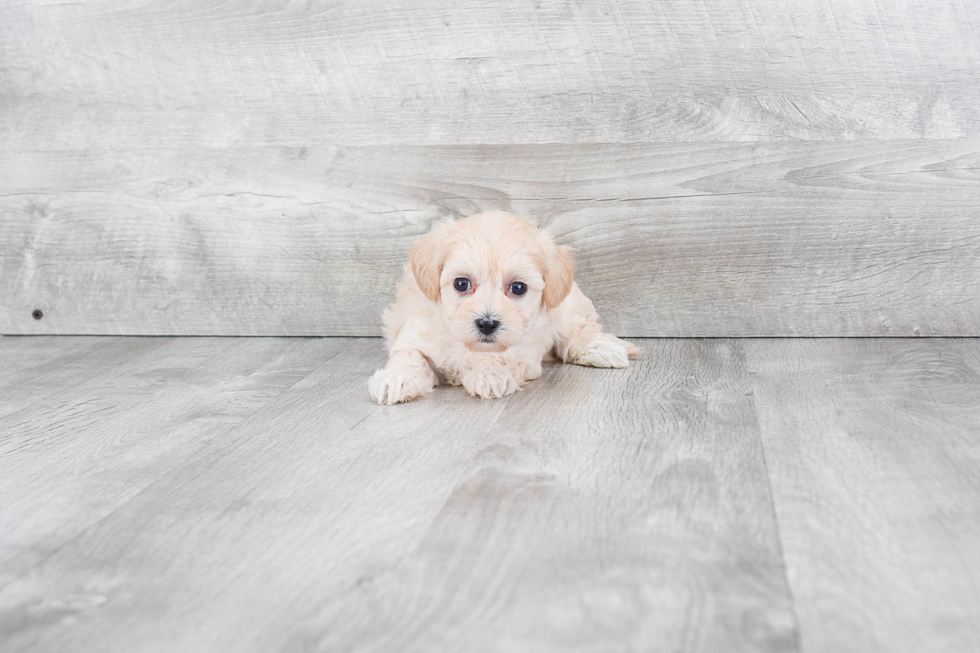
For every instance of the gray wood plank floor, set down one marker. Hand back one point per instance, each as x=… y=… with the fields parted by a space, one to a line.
x=214 y=494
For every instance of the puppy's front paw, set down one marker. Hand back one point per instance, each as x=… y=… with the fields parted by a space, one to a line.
x=490 y=383
x=604 y=353
x=389 y=387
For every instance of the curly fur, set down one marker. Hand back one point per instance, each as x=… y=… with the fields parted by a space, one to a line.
x=431 y=330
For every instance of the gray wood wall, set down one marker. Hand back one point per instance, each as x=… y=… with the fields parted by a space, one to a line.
x=749 y=167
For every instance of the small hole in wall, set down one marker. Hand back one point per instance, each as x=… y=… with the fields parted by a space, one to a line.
x=37 y=314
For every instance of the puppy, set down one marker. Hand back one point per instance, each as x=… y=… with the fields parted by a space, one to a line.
x=482 y=302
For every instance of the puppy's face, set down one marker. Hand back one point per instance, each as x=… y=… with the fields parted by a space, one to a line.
x=492 y=275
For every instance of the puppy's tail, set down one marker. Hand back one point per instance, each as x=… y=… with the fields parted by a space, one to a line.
x=632 y=350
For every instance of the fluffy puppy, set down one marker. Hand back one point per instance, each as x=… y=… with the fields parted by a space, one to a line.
x=482 y=302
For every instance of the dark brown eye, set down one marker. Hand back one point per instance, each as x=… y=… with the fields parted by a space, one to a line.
x=518 y=288
x=462 y=284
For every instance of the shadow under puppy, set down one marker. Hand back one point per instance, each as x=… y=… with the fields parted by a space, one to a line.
x=482 y=302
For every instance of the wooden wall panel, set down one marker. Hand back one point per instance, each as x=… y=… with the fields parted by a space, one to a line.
x=152 y=74
x=672 y=239
x=754 y=167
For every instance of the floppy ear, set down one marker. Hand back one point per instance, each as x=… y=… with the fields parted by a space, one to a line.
x=559 y=274
x=427 y=258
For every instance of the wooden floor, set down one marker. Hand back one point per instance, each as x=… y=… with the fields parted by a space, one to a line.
x=226 y=494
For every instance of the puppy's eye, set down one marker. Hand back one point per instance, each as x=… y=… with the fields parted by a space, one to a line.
x=518 y=288
x=462 y=284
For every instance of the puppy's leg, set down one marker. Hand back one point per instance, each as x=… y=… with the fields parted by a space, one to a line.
x=407 y=376
x=582 y=340
x=603 y=351
x=490 y=377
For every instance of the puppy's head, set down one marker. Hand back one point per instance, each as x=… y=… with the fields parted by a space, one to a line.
x=492 y=274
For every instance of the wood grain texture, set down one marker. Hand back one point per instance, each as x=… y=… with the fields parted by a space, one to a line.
x=78 y=449
x=702 y=239
x=602 y=511
x=259 y=168
x=25 y=360
x=72 y=366
x=596 y=510
x=235 y=74
x=873 y=449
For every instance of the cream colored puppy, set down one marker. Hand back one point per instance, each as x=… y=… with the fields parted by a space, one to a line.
x=483 y=301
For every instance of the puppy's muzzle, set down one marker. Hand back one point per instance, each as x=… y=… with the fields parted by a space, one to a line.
x=487 y=325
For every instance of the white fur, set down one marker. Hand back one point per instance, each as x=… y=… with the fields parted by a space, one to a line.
x=433 y=338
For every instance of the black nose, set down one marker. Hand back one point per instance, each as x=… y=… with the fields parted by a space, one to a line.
x=487 y=325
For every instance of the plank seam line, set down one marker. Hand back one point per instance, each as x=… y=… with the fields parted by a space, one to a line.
x=496 y=419
x=798 y=638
